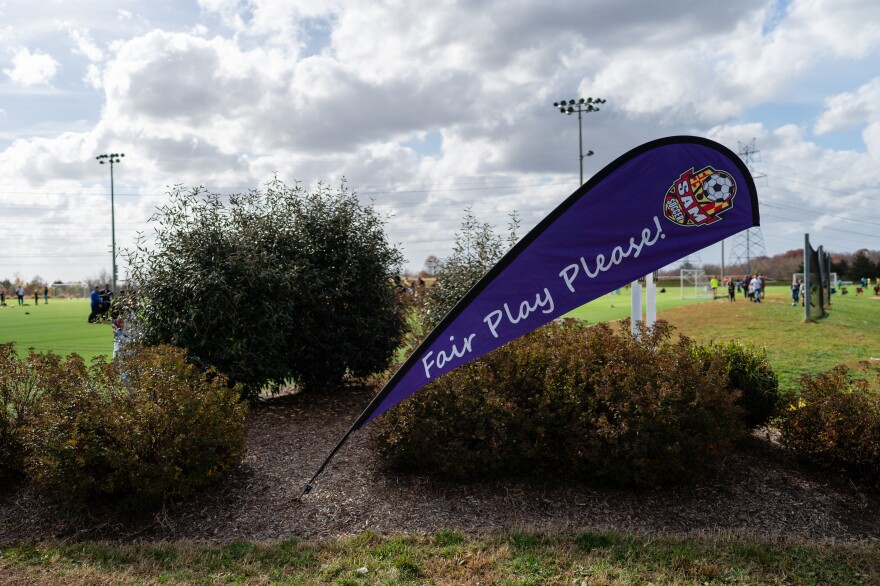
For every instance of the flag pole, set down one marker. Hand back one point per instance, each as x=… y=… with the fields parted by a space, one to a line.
x=636 y=308
x=308 y=486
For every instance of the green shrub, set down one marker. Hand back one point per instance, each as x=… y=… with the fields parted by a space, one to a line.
x=749 y=372
x=835 y=419
x=271 y=286
x=138 y=432
x=19 y=392
x=568 y=399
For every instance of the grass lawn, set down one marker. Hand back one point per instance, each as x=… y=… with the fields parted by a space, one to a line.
x=848 y=335
x=448 y=557
x=61 y=326
x=614 y=306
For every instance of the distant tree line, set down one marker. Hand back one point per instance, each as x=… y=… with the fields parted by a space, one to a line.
x=848 y=266
x=35 y=285
x=38 y=283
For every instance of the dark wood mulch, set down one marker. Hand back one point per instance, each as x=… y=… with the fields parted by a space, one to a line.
x=758 y=491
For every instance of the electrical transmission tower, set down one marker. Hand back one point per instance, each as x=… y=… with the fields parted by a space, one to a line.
x=748 y=244
x=691 y=261
x=748 y=152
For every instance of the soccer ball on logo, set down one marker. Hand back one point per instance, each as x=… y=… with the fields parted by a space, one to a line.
x=718 y=188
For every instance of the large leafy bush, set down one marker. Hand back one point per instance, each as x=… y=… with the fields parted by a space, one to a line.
x=834 y=418
x=139 y=432
x=271 y=285
x=568 y=399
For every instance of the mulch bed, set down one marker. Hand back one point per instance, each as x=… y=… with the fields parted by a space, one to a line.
x=758 y=491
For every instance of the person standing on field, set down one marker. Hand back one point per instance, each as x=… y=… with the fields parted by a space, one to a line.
x=46 y=294
x=96 y=306
x=756 y=282
x=106 y=296
x=714 y=284
x=731 y=291
x=20 y=294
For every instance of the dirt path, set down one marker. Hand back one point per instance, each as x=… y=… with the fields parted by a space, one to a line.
x=758 y=491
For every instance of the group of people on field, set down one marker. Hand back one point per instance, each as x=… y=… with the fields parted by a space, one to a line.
x=100 y=302
x=20 y=293
x=862 y=286
x=754 y=287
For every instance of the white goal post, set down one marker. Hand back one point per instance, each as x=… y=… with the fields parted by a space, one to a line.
x=799 y=277
x=695 y=284
x=76 y=290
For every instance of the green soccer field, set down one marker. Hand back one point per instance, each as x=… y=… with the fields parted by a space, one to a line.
x=60 y=326
x=614 y=306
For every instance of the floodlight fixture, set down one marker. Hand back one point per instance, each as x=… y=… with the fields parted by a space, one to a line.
x=581 y=106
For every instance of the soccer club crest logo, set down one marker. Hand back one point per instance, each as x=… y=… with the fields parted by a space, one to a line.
x=699 y=198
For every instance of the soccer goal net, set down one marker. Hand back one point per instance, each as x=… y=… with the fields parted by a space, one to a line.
x=69 y=290
x=799 y=278
x=695 y=284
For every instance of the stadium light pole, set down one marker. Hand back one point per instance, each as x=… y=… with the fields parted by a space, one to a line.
x=112 y=158
x=581 y=106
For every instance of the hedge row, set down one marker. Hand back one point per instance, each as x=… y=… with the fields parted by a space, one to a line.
x=138 y=432
x=584 y=401
x=565 y=400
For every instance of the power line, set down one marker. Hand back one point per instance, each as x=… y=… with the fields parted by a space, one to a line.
x=820 y=213
x=84 y=255
x=823 y=188
x=801 y=172
x=833 y=230
x=368 y=190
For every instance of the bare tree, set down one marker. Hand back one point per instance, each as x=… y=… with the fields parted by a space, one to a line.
x=432 y=265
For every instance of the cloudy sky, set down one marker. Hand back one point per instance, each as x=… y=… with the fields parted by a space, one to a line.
x=426 y=108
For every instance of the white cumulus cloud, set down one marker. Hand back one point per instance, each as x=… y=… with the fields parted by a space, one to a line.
x=32 y=69
x=851 y=109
